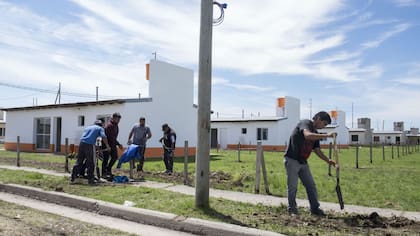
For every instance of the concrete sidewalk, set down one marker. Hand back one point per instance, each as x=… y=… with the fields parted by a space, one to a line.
x=251 y=198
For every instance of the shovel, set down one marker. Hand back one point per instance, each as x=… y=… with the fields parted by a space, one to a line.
x=337 y=169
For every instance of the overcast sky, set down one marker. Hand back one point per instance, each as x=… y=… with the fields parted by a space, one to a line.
x=333 y=53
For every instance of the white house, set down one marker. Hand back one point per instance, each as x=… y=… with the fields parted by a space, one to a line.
x=272 y=131
x=361 y=135
x=388 y=137
x=171 y=91
x=338 y=125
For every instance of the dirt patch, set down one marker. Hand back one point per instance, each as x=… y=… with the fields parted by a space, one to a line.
x=20 y=220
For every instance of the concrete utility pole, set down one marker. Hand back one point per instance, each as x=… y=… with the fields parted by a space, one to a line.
x=204 y=102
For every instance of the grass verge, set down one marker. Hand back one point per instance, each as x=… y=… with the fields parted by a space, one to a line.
x=257 y=216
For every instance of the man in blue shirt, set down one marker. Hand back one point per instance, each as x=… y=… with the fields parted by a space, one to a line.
x=87 y=150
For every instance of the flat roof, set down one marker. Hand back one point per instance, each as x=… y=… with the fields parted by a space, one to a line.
x=387 y=132
x=79 y=104
x=236 y=119
x=357 y=130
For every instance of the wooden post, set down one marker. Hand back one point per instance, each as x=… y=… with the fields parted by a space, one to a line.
x=329 y=157
x=18 y=152
x=132 y=165
x=383 y=151
x=249 y=147
x=258 y=168
x=186 y=162
x=370 y=152
x=357 y=155
x=398 y=150
x=66 y=153
x=239 y=152
x=260 y=164
x=392 y=151
x=264 y=171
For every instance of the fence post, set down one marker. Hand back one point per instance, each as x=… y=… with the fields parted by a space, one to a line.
x=239 y=151
x=370 y=152
x=398 y=150
x=249 y=147
x=392 y=150
x=357 y=155
x=66 y=153
x=264 y=171
x=132 y=165
x=258 y=168
x=18 y=152
x=383 y=151
x=186 y=162
x=329 y=158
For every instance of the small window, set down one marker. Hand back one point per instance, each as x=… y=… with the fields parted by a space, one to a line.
x=262 y=133
x=2 y=133
x=243 y=130
x=375 y=138
x=355 y=138
x=397 y=140
x=81 y=121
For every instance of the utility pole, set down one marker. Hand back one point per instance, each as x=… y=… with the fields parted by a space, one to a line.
x=58 y=97
x=204 y=102
x=97 y=93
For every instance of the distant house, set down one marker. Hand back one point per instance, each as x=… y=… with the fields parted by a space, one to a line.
x=2 y=126
x=272 y=131
x=361 y=135
x=388 y=137
x=171 y=90
x=338 y=125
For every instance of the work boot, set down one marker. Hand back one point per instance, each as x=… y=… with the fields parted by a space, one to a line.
x=317 y=212
x=93 y=182
x=292 y=211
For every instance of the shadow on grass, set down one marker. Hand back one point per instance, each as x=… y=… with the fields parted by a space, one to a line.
x=213 y=213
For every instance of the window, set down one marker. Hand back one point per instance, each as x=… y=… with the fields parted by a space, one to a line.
x=43 y=132
x=2 y=132
x=355 y=138
x=243 y=130
x=262 y=133
x=375 y=138
x=81 y=121
x=397 y=140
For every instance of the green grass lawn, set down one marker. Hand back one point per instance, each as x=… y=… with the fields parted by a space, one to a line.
x=272 y=218
x=389 y=183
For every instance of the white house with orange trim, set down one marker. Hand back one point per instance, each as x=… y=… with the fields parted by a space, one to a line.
x=338 y=125
x=171 y=91
x=272 y=131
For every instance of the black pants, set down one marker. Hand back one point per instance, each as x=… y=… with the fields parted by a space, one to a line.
x=85 y=158
x=168 y=159
x=107 y=167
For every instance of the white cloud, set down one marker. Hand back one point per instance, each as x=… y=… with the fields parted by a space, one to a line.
x=406 y=3
x=396 y=30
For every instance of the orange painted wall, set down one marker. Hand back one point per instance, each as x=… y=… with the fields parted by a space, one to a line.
x=150 y=152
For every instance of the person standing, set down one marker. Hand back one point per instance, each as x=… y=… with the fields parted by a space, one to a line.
x=111 y=132
x=168 y=142
x=86 y=153
x=139 y=135
x=303 y=140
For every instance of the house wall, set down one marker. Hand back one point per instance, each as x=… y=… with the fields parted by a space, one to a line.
x=288 y=113
x=338 y=125
x=387 y=138
x=172 y=102
x=361 y=136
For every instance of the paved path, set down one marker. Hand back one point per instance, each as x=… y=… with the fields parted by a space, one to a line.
x=90 y=217
x=249 y=197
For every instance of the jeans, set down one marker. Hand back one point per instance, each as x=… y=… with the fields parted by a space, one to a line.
x=85 y=157
x=168 y=159
x=294 y=171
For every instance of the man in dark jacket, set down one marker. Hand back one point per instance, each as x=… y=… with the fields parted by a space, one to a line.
x=303 y=140
x=111 y=131
x=168 y=142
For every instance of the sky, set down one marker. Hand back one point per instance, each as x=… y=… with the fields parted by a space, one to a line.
x=358 y=56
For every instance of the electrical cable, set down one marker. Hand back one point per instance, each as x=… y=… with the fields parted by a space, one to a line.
x=222 y=7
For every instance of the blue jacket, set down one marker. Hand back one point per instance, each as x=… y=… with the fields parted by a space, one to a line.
x=91 y=133
x=132 y=152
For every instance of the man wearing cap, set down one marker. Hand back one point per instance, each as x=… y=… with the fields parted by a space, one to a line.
x=111 y=132
x=139 y=135
x=87 y=151
x=168 y=142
